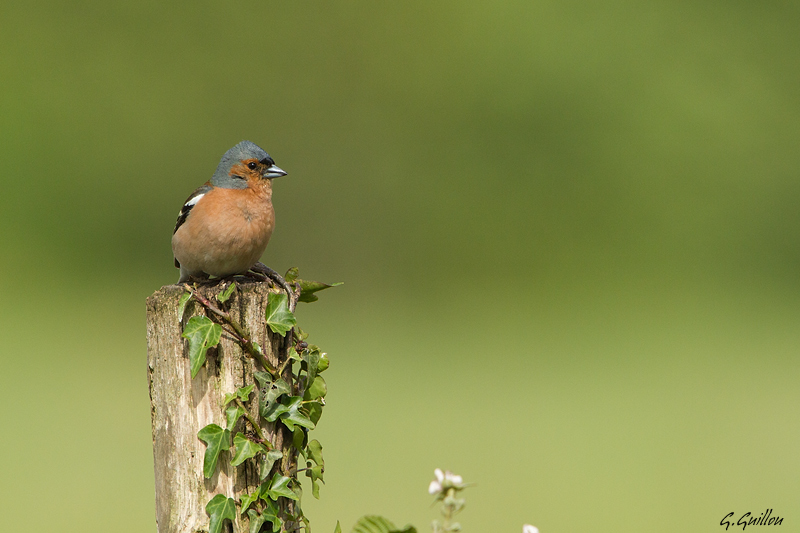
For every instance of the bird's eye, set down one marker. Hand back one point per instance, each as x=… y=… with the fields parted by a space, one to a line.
x=251 y=165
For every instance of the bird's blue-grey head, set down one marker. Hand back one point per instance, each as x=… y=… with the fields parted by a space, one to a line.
x=244 y=151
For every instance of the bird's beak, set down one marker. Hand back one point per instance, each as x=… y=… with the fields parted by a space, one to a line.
x=274 y=172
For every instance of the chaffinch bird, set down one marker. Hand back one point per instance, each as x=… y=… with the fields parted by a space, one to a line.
x=225 y=225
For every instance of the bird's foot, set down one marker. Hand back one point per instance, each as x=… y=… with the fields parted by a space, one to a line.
x=263 y=272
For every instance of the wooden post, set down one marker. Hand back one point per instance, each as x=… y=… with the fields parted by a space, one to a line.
x=180 y=406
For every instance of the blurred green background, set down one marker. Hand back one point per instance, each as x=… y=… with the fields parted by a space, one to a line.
x=569 y=233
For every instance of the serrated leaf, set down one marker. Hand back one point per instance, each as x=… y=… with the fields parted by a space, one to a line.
x=279 y=486
x=245 y=449
x=268 y=404
x=202 y=334
x=220 y=509
x=225 y=295
x=232 y=415
x=279 y=318
x=267 y=461
x=248 y=499
x=314 y=449
x=318 y=389
x=217 y=440
x=182 y=301
x=293 y=416
x=308 y=288
x=291 y=274
x=378 y=524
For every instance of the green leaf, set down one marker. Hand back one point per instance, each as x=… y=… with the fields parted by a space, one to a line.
x=293 y=416
x=232 y=415
x=244 y=392
x=268 y=404
x=315 y=473
x=225 y=295
x=248 y=499
x=220 y=509
x=310 y=363
x=263 y=378
x=338 y=528
x=270 y=514
x=202 y=334
x=308 y=288
x=182 y=301
x=245 y=449
x=291 y=274
x=315 y=452
x=324 y=363
x=267 y=461
x=216 y=439
x=279 y=486
x=299 y=439
x=318 y=389
x=378 y=524
x=314 y=412
x=279 y=318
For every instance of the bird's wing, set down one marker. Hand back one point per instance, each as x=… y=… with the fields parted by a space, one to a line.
x=187 y=207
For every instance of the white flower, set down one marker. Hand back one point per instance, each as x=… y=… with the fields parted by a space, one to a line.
x=454 y=479
x=527 y=528
x=444 y=481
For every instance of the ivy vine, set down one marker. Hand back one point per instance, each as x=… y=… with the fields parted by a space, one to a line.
x=295 y=403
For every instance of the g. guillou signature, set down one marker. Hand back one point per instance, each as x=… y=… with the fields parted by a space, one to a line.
x=747 y=519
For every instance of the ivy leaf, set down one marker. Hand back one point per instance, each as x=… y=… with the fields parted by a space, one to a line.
x=315 y=452
x=279 y=486
x=299 y=439
x=202 y=334
x=267 y=461
x=245 y=449
x=232 y=415
x=293 y=416
x=220 y=509
x=268 y=404
x=243 y=393
x=314 y=412
x=291 y=274
x=225 y=295
x=182 y=301
x=279 y=318
x=310 y=363
x=248 y=499
x=308 y=288
x=317 y=390
x=216 y=439
x=378 y=524
x=263 y=378
x=270 y=514
x=315 y=473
